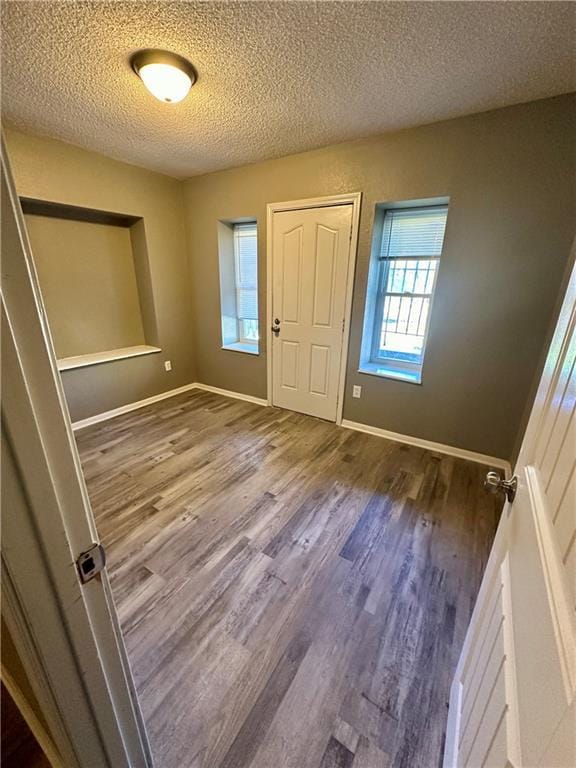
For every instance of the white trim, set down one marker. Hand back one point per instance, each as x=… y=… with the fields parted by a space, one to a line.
x=247 y=348
x=316 y=202
x=450 y=450
x=383 y=371
x=73 y=629
x=511 y=687
x=105 y=415
x=461 y=453
x=229 y=393
x=95 y=358
x=354 y=200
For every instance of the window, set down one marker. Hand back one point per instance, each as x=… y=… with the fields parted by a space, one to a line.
x=406 y=254
x=246 y=269
x=238 y=253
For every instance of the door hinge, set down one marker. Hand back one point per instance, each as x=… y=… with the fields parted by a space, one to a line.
x=91 y=562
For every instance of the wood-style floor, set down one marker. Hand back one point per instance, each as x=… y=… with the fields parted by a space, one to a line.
x=292 y=594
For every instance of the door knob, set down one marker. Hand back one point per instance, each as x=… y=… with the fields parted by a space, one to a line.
x=276 y=326
x=496 y=484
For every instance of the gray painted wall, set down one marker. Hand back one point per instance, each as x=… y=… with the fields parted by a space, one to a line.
x=51 y=170
x=510 y=176
x=88 y=283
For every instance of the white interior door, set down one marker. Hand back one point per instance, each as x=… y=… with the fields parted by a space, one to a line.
x=512 y=700
x=310 y=257
x=67 y=632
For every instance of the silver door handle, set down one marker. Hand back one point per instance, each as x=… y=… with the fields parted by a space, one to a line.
x=496 y=484
x=276 y=326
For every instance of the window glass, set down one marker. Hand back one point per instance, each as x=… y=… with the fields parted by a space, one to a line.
x=403 y=283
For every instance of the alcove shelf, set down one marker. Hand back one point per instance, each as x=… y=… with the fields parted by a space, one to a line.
x=96 y=358
x=94 y=275
x=35 y=207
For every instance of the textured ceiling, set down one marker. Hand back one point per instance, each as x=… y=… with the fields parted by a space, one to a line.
x=274 y=77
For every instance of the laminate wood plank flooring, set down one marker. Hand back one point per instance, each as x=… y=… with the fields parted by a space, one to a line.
x=292 y=594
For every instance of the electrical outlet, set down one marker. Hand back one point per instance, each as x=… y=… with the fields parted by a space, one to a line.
x=356 y=390
x=167 y=365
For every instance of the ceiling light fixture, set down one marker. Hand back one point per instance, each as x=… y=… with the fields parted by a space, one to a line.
x=167 y=76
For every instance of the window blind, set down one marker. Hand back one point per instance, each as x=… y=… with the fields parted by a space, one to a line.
x=413 y=233
x=246 y=258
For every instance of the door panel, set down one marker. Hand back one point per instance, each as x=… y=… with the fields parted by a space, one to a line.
x=310 y=256
x=325 y=267
x=512 y=700
x=290 y=365
x=292 y=276
x=319 y=370
x=488 y=725
x=543 y=691
x=551 y=450
x=490 y=653
x=564 y=526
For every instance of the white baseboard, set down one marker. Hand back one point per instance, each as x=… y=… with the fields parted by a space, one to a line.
x=229 y=393
x=450 y=450
x=130 y=407
x=461 y=453
x=98 y=417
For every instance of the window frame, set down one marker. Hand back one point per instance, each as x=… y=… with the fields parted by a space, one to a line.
x=372 y=360
x=233 y=334
x=237 y=228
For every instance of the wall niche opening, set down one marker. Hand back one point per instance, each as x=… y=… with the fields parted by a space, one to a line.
x=94 y=275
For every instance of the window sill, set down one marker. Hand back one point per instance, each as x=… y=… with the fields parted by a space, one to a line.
x=96 y=358
x=387 y=372
x=239 y=346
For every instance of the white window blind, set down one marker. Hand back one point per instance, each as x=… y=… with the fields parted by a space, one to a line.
x=408 y=257
x=246 y=266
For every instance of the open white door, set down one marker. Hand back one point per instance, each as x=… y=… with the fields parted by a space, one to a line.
x=311 y=272
x=513 y=697
x=67 y=633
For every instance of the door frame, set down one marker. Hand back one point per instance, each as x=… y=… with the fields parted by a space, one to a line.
x=67 y=634
x=354 y=199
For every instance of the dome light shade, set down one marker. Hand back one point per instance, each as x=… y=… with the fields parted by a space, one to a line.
x=166 y=75
x=165 y=82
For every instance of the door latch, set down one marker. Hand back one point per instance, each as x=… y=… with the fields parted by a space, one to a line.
x=495 y=484
x=91 y=563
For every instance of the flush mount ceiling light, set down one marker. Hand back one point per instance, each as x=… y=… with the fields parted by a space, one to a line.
x=167 y=76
